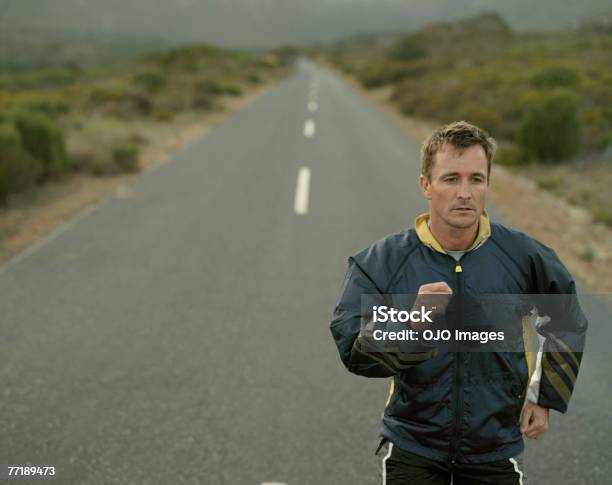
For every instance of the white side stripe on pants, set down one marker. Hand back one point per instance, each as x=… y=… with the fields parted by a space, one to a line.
x=384 y=464
x=516 y=469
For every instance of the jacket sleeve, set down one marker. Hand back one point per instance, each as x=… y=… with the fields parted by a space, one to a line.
x=562 y=324
x=350 y=330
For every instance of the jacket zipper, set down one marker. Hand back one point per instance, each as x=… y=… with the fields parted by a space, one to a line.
x=457 y=366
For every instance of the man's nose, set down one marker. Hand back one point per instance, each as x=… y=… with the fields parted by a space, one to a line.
x=464 y=190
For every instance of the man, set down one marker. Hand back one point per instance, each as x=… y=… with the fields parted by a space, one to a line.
x=460 y=416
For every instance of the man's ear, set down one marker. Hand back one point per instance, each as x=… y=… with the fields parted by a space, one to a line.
x=425 y=185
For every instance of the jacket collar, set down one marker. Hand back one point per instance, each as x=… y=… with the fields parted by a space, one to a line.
x=427 y=238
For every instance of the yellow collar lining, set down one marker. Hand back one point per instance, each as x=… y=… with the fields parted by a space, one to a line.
x=426 y=237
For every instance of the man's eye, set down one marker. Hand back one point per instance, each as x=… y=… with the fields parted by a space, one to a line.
x=451 y=179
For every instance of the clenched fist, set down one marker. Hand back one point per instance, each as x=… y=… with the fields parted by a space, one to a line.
x=434 y=296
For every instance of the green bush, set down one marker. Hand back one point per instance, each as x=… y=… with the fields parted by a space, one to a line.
x=253 y=78
x=551 y=183
x=203 y=101
x=125 y=156
x=42 y=78
x=232 y=90
x=52 y=106
x=162 y=115
x=556 y=77
x=510 y=154
x=486 y=117
x=265 y=63
x=120 y=101
x=604 y=216
x=378 y=74
x=587 y=254
x=206 y=92
x=43 y=140
x=209 y=86
x=100 y=96
x=152 y=81
x=17 y=168
x=550 y=129
x=188 y=58
x=408 y=48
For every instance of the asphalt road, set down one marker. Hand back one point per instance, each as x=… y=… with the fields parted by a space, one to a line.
x=178 y=333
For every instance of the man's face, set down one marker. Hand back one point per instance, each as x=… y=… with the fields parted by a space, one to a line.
x=458 y=186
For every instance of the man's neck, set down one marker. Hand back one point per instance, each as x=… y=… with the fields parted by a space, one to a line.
x=451 y=238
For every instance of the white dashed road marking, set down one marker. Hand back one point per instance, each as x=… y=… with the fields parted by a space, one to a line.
x=300 y=204
x=309 y=128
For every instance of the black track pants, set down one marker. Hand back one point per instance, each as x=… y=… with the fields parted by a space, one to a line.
x=399 y=467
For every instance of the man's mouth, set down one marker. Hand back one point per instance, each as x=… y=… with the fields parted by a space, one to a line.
x=464 y=209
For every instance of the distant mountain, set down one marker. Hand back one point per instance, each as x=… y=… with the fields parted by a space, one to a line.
x=253 y=23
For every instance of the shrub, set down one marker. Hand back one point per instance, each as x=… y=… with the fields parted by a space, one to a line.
x=378 y=74
x=587 y=254
x=163 y=115
x=253 y=78
x=556 y=77
x=265 y=63
x=120 y=102
x=100 y=96
x=152 y=81
x=58 y=76
x=84 y=159
x=604 y=216
x=551 y=183
x=206 y=91
x=51 y=106
x=510 y=154
x=550 y=129
x=232 y=90
x=17 y=168
x=408 y=48
x=203 y=101
x=43 y=140
x=481 y=115
x=174 y=103
x=209 y=86
x=125 y=156
x=583 y=197
x=188 y=58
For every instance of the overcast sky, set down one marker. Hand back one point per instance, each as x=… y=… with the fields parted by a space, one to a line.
x=249 y=23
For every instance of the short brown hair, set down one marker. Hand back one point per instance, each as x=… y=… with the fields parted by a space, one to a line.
x=459 y=134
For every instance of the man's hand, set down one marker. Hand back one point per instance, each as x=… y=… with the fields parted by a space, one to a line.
x=438 y=287
x=432 y=295
x=534 y=420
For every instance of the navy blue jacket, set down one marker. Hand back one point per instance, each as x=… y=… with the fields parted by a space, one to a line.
x=460 y=406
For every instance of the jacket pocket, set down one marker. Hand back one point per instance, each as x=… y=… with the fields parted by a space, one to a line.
x=424 y=413
x=492 y=414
